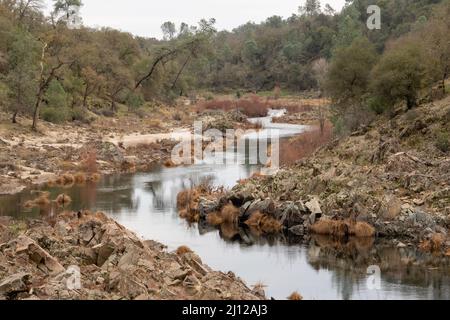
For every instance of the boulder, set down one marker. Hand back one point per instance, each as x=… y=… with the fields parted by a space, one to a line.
x=314 y=206
x=298 y=230
x=206 y=206
x=15 y=283
x=266 y=206
x=104 y=251
x=391 y=209
x=316 y=212
x=291 y=215
x=35 y=253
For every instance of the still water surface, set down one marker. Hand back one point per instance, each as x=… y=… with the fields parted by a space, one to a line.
x=319 y=269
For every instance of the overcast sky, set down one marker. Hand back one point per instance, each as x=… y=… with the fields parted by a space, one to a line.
x=145 y=17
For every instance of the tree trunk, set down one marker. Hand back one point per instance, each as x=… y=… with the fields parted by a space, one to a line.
x=14 y=117
x=410 y=102
x=85 y=96
x=180 y=72
x=41 y=90
x=443 y=85
x=36 y=109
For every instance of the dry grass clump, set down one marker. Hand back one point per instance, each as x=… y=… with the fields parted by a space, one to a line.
x=183 y=250
x=251 y=107
x=229 y=230
x=188 y=200
x=434 y=244
x=230 y=214
x=295 y=296
x=89 y=161
x=264 y=223
x=214 y=219
x=342 y=228
x=169 y=163
x=187 y=204
x=80 y=178
x=68 y=179
x=63 y=200
x=41 y=201
x=94 y=177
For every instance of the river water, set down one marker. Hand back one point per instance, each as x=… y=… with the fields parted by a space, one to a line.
x=319 y=269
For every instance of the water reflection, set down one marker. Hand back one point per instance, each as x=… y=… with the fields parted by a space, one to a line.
x=320 y=268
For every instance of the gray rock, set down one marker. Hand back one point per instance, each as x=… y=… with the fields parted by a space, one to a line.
x=244 y=213
x=206 y=206
x=314 y=206
x=15 y=283
x=298 y=230
x=104 y=251
x=291 y=216
x=266 y=206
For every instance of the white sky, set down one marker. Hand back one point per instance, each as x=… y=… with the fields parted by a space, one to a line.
x=145 y=17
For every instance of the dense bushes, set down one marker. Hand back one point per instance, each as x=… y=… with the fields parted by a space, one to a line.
x=55 y=115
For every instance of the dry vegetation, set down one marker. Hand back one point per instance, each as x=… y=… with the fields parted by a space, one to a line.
x=343 y=228
x=295 y=296
x=263 y=223
x=435 y=244
x=183 y=250
x=304 y=145
x=188 y=200
x=254 y=106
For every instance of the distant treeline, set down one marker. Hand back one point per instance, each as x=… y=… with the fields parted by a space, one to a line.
x=52 y=68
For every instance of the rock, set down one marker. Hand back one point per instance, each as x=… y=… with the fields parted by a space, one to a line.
x=206 y=206
x=15 y=283
x=291 y=216
x=298 y=230
x=314 y=206
x=391 y=209
x=244 y=212
x=401 y=245
x=42 y=258
x=266 y=206
x=104 y=251
x=131 y=257
x=238 y=199
x=422 y=219
x=419 y=202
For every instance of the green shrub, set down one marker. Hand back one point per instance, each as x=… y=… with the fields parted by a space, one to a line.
x=55 y=115
x=134 y=101
x=56 y=96
x=81 y=115
x=377 y=104
x=443 y=141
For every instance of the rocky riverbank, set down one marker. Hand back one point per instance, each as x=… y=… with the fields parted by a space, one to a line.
x=389 y=180
x=87 y=255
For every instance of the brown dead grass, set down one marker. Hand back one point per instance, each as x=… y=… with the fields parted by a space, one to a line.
x=295 y=296
x=63 y=200
x=80 y=178
x=94 y=177
x=41 y=201
x=230 y=214
x=183 y=250
x=434 y=244
x=264 y=223
x=169 y=164
x=304 y=145
x=342 y=228
x=214 y=219
x=89 y=161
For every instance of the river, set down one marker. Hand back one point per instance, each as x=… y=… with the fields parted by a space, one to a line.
x=320 y=269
